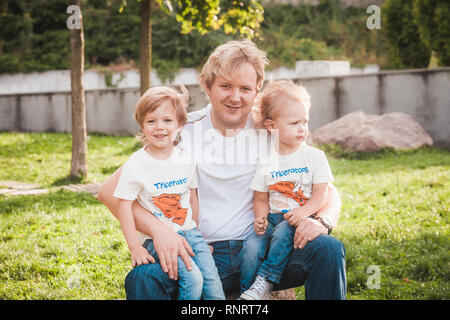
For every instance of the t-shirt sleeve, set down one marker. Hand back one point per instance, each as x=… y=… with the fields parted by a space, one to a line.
x=259 y=182
x=322 y=170
x=128 y=186
x=194 y=179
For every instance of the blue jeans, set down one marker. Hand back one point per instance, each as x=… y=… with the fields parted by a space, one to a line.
x=319 y=266
x=267 y=255
x=203 y=280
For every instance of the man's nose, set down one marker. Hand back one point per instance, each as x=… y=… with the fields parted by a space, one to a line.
x=235 y=95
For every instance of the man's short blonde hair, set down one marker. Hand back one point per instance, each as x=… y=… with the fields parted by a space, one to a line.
x=276 y=94
x=226 y=59
x=154 y=97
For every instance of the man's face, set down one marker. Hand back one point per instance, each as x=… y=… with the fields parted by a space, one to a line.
x=232 y=97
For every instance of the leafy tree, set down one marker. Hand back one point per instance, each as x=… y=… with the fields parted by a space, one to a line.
x=240 y=17
x=433 y=20
x=406 y=48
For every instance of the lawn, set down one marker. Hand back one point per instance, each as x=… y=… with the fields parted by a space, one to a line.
x=65 y=245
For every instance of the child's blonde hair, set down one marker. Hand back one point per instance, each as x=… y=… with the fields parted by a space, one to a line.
x=153 y=98
x=274 y=97
x=227 y=57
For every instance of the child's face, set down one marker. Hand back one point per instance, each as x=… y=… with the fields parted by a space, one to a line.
x=161 y=126
x=292 y=124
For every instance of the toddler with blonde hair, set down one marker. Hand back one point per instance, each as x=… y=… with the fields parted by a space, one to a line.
x=289 y=185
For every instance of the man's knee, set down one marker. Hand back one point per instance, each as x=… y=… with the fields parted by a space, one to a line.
x=328 y=247
x=148 y=282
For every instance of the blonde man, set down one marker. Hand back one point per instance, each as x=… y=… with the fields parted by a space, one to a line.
x=231 y=78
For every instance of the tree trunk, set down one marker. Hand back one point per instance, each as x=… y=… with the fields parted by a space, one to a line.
x=145 y=43
x=78 y=166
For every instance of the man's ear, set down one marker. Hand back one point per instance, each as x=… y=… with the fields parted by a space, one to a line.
x=208 y=91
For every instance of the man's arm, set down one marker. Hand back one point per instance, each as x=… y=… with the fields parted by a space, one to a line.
x=332 y=207
x=168 y=244
x=308 y=229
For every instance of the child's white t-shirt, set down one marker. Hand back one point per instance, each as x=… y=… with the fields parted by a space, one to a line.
x=289 y=178
x=160 y=186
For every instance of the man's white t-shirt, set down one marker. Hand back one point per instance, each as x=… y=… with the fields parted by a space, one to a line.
x=289 y=178
x=225 y=169
x=160 y=186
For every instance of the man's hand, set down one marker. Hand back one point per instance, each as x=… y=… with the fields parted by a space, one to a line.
x=140 y=255
x=169 y=245
x=307 y=230
x=260 y=225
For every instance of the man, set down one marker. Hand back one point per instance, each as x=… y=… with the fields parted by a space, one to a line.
x=232 y=78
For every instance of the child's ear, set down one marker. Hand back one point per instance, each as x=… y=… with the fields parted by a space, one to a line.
x=270 y=125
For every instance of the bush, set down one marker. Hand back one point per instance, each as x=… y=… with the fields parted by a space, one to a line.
x=406 y=48
x=433 y=20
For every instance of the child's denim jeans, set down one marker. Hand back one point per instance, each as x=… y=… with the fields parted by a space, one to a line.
x=267 y=255
x=203 y=280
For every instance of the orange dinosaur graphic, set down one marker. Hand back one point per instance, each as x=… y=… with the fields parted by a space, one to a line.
x=171 y=207
x=286 y=188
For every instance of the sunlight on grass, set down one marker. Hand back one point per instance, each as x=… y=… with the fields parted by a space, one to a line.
x=65 y=245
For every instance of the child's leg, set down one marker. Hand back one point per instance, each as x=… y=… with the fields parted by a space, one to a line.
x=212 y=285
x=281 y=246
x=253 y=252
x=190 y=282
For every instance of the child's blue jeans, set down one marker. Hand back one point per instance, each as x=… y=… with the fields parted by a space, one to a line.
x=267 y=255
x=203 y=280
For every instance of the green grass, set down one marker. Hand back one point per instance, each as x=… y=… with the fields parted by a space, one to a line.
x=65 y=245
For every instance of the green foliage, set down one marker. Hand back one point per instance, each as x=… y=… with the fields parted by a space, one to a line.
x=241 y=17
x=432 y=18
x=36 y=38
x=406 y=48
x=326 y=31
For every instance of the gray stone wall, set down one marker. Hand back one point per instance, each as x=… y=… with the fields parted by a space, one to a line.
x=423 y=94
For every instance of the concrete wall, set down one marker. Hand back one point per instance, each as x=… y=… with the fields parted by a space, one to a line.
x=59 y=80
x=424 y=94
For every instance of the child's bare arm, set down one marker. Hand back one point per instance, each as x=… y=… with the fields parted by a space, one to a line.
x=139 y=255
x=317 y=200
x=261 y=209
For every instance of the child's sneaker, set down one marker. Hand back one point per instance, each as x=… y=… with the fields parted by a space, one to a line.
x=260 y=290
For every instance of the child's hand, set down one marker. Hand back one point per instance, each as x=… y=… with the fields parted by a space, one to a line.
x=260 y=225
x=294 y=216
x=140 y=255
